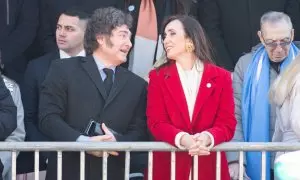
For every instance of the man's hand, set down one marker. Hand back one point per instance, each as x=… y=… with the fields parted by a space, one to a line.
x=234 y=171
x=108 y=132
x=103 y=138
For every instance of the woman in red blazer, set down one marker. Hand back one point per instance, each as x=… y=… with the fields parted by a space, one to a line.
x=190 y=103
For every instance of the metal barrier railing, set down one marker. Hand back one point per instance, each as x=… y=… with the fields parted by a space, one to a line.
x=128 y=147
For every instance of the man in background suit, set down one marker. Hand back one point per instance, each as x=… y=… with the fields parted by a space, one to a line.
x=69 y=36
x=79 y=89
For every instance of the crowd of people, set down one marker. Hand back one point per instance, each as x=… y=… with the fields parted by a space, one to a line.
x=196 y=73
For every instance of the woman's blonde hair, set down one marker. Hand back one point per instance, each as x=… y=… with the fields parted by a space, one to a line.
x=285 y=82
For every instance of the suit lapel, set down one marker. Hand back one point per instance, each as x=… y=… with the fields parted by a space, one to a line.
x=89 y=65
x=206 y=88
x=174 y=86
x=121 y=77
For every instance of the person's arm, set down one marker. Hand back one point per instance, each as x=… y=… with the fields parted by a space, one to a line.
x=210 y=19
x=18 y=135
x=30 y=97
x=238 y=79
x=8 y=112
x=295 y=113
x=137 y=129
x=53 y=106
x=17 y=42
x=158 y=119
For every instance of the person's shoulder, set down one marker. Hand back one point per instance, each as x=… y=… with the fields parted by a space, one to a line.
x=42 y=59
x=161 y=71
x=218 y=71
x=132 y=76
x=68 y=63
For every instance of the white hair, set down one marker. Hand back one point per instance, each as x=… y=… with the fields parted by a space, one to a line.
x=274 y=17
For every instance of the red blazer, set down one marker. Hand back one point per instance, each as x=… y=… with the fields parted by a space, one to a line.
x=168 y=115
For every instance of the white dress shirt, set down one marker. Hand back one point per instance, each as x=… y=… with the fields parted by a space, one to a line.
x=190 y=81
x=63 y=54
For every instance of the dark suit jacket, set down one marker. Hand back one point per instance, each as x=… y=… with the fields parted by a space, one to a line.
x=30 y=88
x=232 y=25
x=34 y=76
x=72 y=94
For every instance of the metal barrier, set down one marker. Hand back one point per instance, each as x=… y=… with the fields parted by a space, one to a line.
x=128 y=147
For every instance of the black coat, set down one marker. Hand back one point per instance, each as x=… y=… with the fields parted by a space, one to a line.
x=8 y=112
x=33 y=78
x=72 y=94
x=232 y=25
x=8 y=116
x=18 y=27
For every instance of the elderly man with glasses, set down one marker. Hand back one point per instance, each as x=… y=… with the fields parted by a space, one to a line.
x=252 y=77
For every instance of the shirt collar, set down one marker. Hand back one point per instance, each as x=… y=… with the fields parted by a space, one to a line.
x=63 y=54
x=101 y=66
x=198 y=66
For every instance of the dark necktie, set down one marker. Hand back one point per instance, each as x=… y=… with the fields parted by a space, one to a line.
x=108 y=82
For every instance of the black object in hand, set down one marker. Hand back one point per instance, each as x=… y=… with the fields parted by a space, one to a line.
x=93 y=129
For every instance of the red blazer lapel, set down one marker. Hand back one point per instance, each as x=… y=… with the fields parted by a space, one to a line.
x=174 y=86
x=206 y=88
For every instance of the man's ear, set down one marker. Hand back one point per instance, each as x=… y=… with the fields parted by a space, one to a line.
x=100 y=39
x=259 y=34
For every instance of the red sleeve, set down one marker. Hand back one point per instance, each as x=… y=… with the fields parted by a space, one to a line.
x=158 y=121
x=225 y=123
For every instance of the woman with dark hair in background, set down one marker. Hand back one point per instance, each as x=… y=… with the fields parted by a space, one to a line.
x=190 y=103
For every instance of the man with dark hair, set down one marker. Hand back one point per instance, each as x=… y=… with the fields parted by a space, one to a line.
x=69 y=35
x=96 y=87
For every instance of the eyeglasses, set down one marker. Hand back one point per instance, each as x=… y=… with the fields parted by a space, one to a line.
x=273 y=44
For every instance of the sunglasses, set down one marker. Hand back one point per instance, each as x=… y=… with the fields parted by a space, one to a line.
x=274 y=43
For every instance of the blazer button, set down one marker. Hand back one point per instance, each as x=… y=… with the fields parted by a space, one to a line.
x=208 y=85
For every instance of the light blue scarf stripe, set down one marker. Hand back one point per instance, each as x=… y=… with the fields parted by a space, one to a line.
x=256 y=108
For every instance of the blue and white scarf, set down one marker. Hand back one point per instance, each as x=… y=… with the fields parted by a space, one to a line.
x=256 y=108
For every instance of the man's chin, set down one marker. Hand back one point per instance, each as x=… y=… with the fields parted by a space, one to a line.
x=278 y=59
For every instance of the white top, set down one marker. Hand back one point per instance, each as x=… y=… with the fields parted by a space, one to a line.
x=190 y=81
x=63 y=54
x=287 y=127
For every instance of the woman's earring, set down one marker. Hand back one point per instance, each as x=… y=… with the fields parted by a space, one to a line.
x=189 y=47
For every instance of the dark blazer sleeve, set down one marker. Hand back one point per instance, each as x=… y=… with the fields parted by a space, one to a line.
x=209 y=16
x=8 y=112
x=137 y=129
x=24 y=33
x=53 y=105
x=30 y=98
